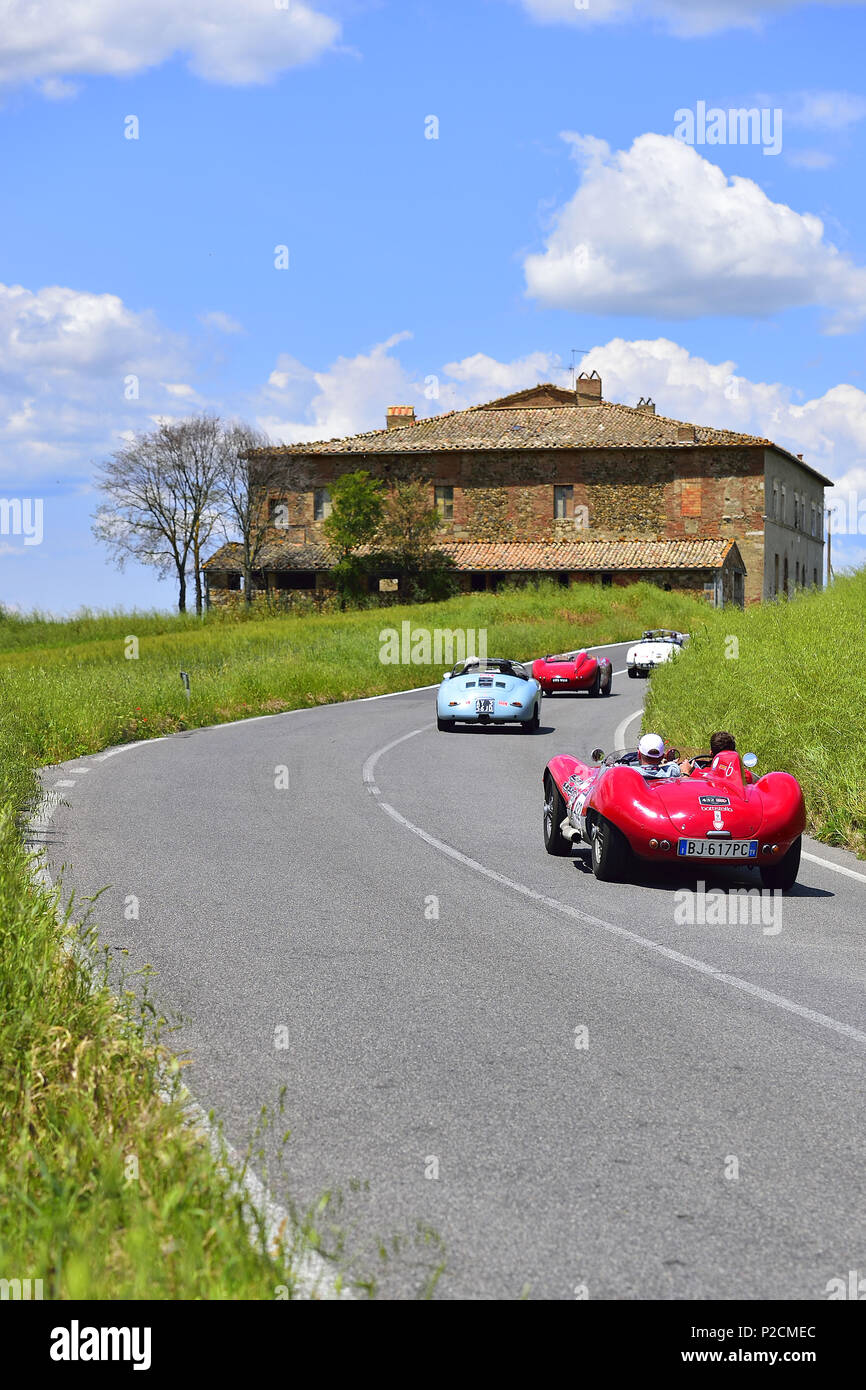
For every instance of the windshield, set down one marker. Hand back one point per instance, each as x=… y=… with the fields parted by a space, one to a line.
x=473 y=666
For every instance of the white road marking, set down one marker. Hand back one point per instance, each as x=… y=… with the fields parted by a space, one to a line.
x=125 y=747
x=619 y=735
x=690 y=962
x=837 y=868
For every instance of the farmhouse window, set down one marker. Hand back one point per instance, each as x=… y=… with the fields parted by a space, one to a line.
x=562 y=502
x=321 y=503
x=445 y=502
x=775 y=501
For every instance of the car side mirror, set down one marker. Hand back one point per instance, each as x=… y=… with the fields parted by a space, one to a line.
x=597 y=755
x=750 y=759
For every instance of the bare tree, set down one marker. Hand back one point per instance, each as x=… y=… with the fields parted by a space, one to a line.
x=242 y=489
x=160 y=506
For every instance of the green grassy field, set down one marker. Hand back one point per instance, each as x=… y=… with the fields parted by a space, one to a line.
x=784 y=678
x=105 y=1192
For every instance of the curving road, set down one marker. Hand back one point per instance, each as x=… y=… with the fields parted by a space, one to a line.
x=374 y=897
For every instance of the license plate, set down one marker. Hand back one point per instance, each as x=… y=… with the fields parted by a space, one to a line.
x=718 y=849
x=561 y=678
x=483 y=706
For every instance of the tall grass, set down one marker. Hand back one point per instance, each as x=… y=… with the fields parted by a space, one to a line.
x=785 y=679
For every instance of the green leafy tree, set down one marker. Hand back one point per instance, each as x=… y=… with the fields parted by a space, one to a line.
x=410 y=523
x=357 y=506
x=409 y=531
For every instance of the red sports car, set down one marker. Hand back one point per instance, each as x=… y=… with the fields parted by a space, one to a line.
x=718 y=814
x=573 y=671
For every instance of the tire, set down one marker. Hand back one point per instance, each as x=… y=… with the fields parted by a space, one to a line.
x=633 y=673
x=445 y=726
x=596 y=683
x=607 y=688
x=784 y=874
x=610 y=852
x=531 y=726
x=554 y=814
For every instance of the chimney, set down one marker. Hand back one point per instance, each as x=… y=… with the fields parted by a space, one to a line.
x=588 y=388
x=646 y=405
x=396 y=416
x=685 y=434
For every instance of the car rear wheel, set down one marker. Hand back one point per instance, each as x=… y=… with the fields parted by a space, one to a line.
x=530 y=726
x=554 y=814
x=610 y=852
x=445 y=726
x=784 y=874
x=596 y=682
x=605 y=690
x=632 y=672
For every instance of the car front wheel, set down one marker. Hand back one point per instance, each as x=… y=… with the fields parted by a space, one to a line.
x=554 y=814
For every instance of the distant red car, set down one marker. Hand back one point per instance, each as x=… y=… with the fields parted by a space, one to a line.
x=719 y=814
x=573 y=671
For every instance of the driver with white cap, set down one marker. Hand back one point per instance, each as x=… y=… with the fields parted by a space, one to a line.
x=650 y=755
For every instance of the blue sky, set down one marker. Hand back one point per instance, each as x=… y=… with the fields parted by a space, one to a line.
x=556 y=209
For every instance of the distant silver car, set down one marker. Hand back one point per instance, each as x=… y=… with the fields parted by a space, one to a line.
x=657 y=646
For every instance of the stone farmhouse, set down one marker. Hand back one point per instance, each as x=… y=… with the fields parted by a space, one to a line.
x=558 y=482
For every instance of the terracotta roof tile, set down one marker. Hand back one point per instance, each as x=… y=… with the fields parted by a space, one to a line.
x=512 y=427
x=516 y=556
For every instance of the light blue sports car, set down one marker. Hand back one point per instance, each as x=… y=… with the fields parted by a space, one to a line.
x=488 y=692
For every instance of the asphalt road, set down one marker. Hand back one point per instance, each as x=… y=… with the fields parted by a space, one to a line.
x=344 y=902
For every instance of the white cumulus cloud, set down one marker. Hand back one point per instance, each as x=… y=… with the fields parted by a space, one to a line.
x=230 y=41
x=659 y=230
x=75 y=370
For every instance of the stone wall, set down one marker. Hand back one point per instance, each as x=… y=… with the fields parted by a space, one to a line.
x=675 y=492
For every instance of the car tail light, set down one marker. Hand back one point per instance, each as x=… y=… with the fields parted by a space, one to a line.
x=653 y=844
x=452 y=703
x=665 y=844
x=518 y=704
